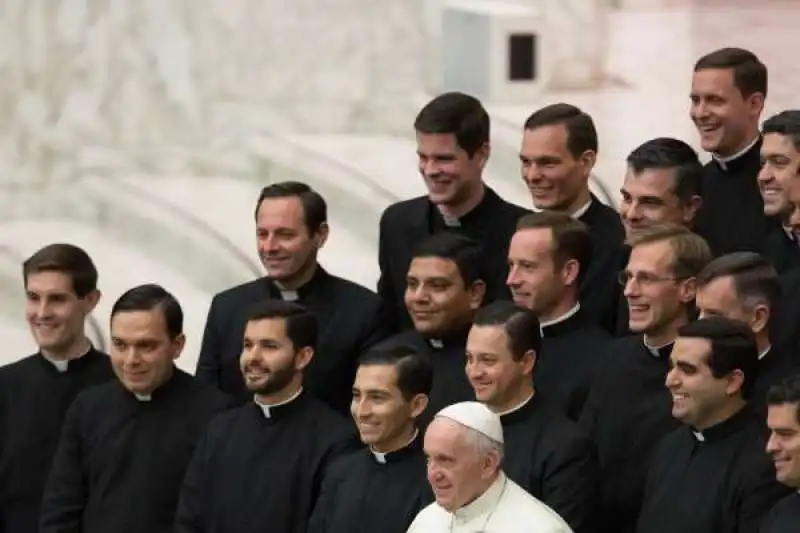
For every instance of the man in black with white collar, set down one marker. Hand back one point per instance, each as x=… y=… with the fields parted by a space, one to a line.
x=628 y=408
x=382 y=487
x=291 y=228
x=745 y=286
x=260 y=467
x=546 y=453
x=444 y=289
x=711 y=474
x=729 y=87
x=547 y=260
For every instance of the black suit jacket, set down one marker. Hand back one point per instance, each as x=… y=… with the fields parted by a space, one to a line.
x=404 y=224
x=351 y=320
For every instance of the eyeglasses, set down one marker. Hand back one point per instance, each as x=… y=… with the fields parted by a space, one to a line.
x=643 y=278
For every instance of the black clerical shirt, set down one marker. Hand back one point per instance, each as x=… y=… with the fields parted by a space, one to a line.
x=717 y=480
x=572 y=349
x=549 y=456
x=731 y=218
x=351 y=320
x=34 y=398
x=784 y=517
x=628 y=411
x=367 y=492
x=260 y=469
x=121 y=459
x=405 y=224
x=599 y=288
x=447 y=355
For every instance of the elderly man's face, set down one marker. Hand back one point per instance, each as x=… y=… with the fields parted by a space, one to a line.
x=457 y=474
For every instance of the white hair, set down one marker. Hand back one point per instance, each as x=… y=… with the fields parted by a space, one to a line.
x=482 y=444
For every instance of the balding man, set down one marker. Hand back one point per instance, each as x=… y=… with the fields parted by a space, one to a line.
x=464 y=446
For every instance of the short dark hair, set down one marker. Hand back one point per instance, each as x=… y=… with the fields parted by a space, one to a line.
x=733 y=346
x=148 y=297
x=754 y=278
x=786 y=123
x=666 y=153
x=571 y=238
x=691 y=252
x=302 y=327
x=315 y=210
x=414 y=372
x=581 y=132
x=458 y=114
x=785 y=392
x=67 y=259
x=749 y=73
x=520 y=324
x=463 y=251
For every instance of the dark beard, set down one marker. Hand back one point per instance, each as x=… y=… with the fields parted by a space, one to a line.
x=277 y=381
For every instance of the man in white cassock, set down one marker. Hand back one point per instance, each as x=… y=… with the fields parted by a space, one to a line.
x=464 y=447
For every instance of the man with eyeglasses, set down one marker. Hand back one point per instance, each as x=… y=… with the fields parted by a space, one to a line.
x=629 y=409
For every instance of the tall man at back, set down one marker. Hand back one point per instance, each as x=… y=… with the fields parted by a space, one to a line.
x=126 y=444
x=729 y=87
x=291 y=228
x=60 y=283
x=453 y=148
x=559 y=149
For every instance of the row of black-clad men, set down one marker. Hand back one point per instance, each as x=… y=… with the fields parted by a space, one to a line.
x=601 y=405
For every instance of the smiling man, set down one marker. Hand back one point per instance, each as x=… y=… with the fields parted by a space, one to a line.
x=452 y=134
x=126 y=444
x=558 y=153
x=444 y=289
x=382 y=487
x=291 y=229
x=60 y=283
x=545 y=452
x=728 y=90
x=783 y=420
x=260 y=466
x=711 y=474
x=780 y=153
x=628 y=409
x=464 y=448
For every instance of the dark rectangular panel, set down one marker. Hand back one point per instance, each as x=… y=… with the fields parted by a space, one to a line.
x=521 y=57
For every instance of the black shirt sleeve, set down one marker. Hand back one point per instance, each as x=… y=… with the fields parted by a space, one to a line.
x=208 y=362
x=570 y=484
x=65 y=494
x=189 y=513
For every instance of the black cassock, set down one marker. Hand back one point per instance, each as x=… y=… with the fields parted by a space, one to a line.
x=549 y=456
x=34 y=398
x=628 y=411
x=719 y=480
x=253 y=473
x=366 y=492
x=572 y=350
x=121 y=459
x=784 y=516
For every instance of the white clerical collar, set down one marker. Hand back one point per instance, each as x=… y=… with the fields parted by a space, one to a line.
x=578 y=212
x=764 y=352
x=143 y=397
x=381 y=456
x=436 y=343
x=62 y=365
x=485 y=504
x=723 y=161
x=698 y=435
x=267 y=407
x=517 y=407
x=569 y=314
x=655 y=351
